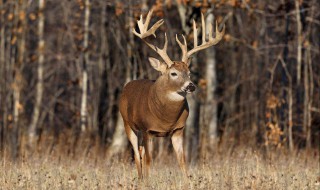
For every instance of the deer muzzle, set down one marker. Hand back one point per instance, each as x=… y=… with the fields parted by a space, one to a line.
x=190 y=88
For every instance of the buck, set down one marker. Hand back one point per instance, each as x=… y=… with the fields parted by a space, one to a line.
x=159 y=108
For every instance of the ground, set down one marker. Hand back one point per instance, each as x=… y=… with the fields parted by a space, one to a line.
x=241 y=170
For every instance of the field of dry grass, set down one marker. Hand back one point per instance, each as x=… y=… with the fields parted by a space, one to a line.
x=241 y=170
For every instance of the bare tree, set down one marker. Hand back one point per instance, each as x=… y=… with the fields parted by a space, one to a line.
x=290 y=103
x=84 y=96
x=40 y=70
x=2 y=80
x=299 y=39
x=211 y=104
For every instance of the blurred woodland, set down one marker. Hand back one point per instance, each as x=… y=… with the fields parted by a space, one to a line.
x=63 y=64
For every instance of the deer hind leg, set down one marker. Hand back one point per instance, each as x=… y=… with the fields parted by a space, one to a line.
x=142 y=159
x=177 y=142
x=147 y=141
x=134 y=141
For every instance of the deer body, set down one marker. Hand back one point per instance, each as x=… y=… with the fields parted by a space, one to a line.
x=156 y=108
x=145 y=107
x=159 y=108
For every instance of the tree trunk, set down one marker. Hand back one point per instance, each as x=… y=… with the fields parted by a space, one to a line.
x=98 y=84
x=104 y=67
x=308 y=83
x=119 y=139
x=9 y=132
x=3 y=89
x=231 y=109
x=182 y=10
x=211 y=78
x=84 y=96
x=290 y=102
x=18 y=78
x=299 y=36
x=290 y=121
x=308 y=90
x=39 y=87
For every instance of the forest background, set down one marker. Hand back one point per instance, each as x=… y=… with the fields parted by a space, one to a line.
x=64 y=63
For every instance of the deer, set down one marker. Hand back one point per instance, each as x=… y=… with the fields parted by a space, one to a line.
x=159 y=108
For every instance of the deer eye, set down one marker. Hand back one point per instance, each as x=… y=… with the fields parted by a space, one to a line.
x=173 y=74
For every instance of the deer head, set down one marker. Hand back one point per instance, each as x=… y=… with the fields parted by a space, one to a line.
x=176 y=73
x=175 y=80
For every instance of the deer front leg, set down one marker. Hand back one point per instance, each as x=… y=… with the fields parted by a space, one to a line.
x=177 y=142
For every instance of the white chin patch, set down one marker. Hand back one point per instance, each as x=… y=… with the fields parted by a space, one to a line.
x=174 y=96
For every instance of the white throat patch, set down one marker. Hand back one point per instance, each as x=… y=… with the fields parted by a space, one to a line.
x=174 y=96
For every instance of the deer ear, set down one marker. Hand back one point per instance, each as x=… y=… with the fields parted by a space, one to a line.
x=157 y=65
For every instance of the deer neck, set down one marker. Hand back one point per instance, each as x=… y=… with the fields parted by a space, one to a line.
x=164 y=103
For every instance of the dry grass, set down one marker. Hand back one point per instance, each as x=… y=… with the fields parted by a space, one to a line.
x=242 y=170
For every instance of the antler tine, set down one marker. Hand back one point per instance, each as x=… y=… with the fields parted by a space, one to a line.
x=148 y=18
x=195 y=34
x=165 y=46
x=219 y=34
x=163 y=52
x=184 y=48
x=144 y=32
x=203 y=29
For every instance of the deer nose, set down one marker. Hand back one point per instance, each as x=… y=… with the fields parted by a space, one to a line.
x=191 y=87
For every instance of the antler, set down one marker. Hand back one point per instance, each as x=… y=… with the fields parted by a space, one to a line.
x=144 y=32
x=205 y=44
